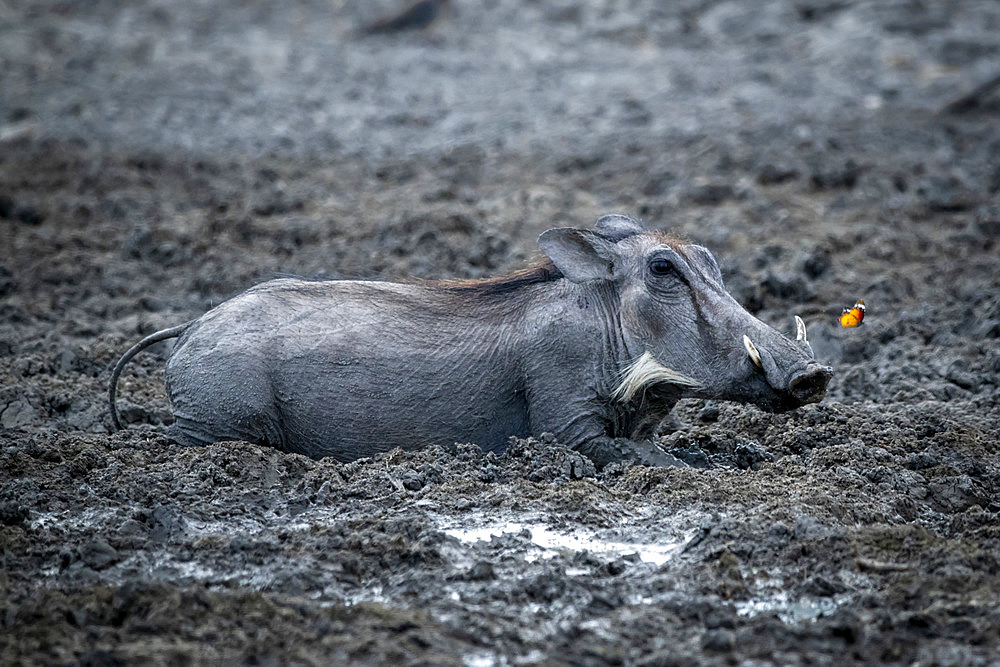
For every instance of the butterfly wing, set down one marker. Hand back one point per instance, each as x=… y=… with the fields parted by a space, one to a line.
x=853 y=317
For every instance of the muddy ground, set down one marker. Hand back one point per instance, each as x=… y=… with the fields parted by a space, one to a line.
x=157 y=157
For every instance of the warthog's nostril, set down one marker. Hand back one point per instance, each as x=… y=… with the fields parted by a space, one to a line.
x=809 y=386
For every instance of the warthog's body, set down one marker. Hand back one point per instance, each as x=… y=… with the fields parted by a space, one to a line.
x=592 y=346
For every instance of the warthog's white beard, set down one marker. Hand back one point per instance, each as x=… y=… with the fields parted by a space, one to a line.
x=645 y=371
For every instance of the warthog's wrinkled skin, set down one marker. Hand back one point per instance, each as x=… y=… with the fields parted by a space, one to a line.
x=350 y=368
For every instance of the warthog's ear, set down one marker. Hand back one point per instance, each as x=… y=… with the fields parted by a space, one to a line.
x=580 y=255
x=616 y=227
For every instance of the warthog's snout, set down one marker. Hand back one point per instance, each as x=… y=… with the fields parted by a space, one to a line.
x=809 y=386
x=788 y=370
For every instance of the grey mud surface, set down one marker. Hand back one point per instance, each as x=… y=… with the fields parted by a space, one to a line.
x=158 y=157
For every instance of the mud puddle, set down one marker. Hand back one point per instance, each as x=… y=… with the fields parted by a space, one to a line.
x=548 y=541
x=790 y=611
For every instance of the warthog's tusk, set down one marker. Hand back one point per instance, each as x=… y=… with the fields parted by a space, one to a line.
x=752 y=351
x=800 y=329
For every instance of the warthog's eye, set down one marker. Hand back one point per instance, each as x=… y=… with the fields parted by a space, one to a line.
x=660 y=267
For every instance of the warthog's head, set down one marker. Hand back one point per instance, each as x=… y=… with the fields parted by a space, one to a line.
x=684 y=333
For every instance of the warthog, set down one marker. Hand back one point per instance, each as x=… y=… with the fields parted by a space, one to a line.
x=594 y=344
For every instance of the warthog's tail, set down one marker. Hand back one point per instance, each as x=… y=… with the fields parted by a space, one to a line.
x=172 y=332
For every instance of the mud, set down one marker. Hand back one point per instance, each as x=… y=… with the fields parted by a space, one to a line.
x=156 y=159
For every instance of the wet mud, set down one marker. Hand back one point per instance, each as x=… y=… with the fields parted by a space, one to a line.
x=157 y=159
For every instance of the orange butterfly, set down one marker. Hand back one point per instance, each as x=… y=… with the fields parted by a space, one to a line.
x=853 y=317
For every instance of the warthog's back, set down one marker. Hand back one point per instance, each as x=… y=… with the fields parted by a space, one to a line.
x=328 y=368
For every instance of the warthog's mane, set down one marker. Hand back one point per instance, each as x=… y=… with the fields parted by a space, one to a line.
x=542 y=271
